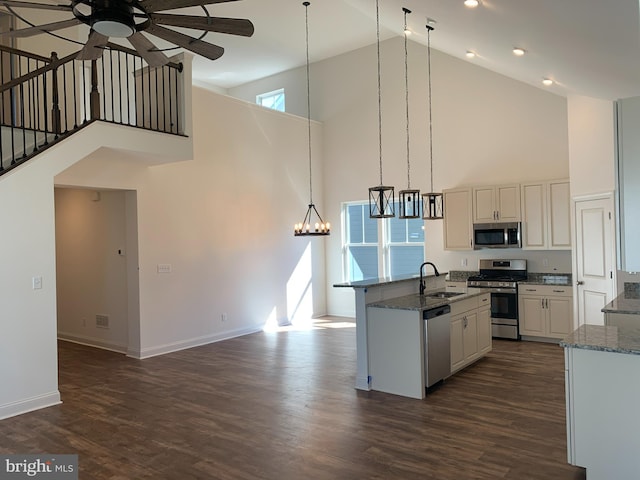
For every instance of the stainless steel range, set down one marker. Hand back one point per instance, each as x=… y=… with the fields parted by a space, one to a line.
x=502 y=277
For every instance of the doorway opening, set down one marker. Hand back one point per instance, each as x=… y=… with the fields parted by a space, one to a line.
x=97 y=268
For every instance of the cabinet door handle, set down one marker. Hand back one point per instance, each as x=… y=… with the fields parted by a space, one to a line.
x=530 y=289
x=542 y=301
x=558 y=291
x=464 y=321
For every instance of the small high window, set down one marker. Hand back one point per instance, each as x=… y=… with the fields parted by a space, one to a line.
x=274 y=100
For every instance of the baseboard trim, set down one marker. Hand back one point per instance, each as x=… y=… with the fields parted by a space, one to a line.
x=191 y=343
x=92 y=342
x=29 y=404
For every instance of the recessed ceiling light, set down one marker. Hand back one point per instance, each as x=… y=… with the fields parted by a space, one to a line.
x=518 y=52
x=547 y=82
x=470 y=54
x=471 y=3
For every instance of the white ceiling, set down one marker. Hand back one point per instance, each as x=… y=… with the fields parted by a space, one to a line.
x=588 y=47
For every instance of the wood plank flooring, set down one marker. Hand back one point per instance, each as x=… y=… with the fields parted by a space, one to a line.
x=283 y=406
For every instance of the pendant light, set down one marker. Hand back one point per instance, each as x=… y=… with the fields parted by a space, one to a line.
x=409 y=199
x=381 y=197
x=313 y=224
x=432 y=205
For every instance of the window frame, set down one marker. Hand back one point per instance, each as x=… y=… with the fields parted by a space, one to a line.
x=261 y=96
x=384 y=243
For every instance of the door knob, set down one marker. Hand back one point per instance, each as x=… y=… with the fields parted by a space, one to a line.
x=579 y=282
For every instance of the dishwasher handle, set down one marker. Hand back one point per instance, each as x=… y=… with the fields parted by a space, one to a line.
x=436 y=312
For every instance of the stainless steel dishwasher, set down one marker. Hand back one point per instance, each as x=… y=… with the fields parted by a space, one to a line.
x=437 y=344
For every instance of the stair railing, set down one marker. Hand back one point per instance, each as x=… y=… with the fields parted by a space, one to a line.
x=43 y=100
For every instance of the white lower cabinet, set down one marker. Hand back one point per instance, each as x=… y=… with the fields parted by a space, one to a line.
x=545 y=311
x=470 y=330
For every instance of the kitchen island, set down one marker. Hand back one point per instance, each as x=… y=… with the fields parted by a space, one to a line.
x=602 y=378
x=407 y=353
x=373 y=290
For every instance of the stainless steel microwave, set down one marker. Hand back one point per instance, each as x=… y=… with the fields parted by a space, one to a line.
x=496 y=235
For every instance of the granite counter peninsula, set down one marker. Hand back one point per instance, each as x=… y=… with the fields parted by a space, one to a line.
x=602 y=385
x=402 y=345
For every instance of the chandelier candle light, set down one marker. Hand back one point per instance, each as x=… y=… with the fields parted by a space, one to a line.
x=432 y=205
x=408 y=199
x=320 y=227
x=381 y=197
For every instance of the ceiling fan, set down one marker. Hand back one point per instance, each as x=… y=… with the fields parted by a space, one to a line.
x=129 y=19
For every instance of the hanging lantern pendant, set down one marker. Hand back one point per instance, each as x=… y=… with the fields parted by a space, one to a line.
x=381 y=197
x=432 y=203
x=409 y=199
x=381 y=202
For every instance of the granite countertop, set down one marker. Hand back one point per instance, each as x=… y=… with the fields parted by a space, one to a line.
x=419 y=302
x=605 y=339
x=627 y=302
x=559 y=279
x=372 y=282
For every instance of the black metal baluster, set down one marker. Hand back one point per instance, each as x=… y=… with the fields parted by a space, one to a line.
x=24 y=129
x=120 y=87
x=104 y=94
x=169 y=70
x=126 y=58
x=113 y=110
x=150 y=106
x=142 y=93
x=84 y=89
x=178 y=106
x=46 y=117
x=157 y=102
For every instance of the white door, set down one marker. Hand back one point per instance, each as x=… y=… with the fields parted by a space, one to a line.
x=595 y=257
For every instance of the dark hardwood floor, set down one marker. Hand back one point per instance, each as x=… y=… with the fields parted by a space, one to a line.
x=282 y=405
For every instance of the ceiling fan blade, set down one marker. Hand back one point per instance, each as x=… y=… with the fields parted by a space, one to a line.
x=49 y=27
x=151 y=6
x=147 y=50
x=208 y=50
x=92 y=49
x=44 y=6
x=233 y=26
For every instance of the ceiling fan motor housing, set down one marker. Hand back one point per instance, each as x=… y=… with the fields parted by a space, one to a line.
x=113 y=18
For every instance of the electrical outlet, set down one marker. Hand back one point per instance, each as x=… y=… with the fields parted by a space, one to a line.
x=463 y=262
x=164 y=268
x=36 y=283
x=223 y=317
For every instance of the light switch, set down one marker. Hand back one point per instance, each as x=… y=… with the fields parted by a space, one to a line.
x=37 y=283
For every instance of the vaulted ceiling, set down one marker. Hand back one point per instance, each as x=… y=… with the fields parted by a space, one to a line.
x=587 y=47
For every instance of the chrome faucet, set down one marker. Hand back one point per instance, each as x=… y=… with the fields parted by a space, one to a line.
x=422 y=285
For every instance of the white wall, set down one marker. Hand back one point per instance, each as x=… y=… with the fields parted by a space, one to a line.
x=91 y=266
x=224 y=222
x=591 y=145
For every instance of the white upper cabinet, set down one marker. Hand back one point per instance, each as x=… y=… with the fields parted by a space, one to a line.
x=546 y=215
x=492 y=204
x=457 y=228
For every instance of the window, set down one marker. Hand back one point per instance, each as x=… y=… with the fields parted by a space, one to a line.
x=361 y=242
x=274 y=100
x=374 y=248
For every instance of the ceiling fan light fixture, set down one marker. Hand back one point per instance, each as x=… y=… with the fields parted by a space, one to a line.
x=113 y=20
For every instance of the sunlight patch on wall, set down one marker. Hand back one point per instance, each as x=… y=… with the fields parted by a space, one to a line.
x=300 y=292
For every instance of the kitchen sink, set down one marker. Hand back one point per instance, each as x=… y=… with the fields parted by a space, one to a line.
x=442 y=294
